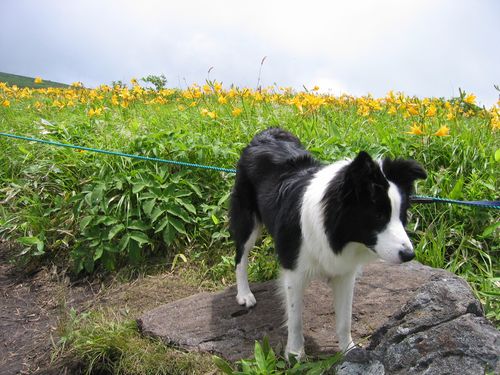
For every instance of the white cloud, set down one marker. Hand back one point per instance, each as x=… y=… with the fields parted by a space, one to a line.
x=422 y=47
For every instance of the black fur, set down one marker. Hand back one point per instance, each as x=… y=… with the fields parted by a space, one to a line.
x=356 y=198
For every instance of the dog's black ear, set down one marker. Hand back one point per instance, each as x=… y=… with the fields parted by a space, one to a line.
x=403 y=172
x=362 y=165
x=363 y=175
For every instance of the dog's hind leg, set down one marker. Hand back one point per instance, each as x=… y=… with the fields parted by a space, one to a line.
x=245 y=227
x=343 y=288
x=245 y=295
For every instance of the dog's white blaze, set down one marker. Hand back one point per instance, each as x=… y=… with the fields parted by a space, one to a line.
x=393 y=238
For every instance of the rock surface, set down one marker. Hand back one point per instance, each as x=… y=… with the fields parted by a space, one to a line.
x=411 y=318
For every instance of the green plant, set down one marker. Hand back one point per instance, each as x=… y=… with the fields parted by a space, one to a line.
x=125 y=216
x=266 y=362
x=159 y=82
x=105 y=344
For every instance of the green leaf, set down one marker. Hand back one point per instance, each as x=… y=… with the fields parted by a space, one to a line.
x=162 y=224
x=260 y=358
x=115 y=230
x=222 y=365
x=108 y=220
x=33 y=241
x=136 y=188
x=98 y=252
x=497 y=155
x=157 y=212
x=456 y=192
x=181 y=214
x=214 y=219
x=489 y=230
x=178 y=225
x=85 y=222
x=148 y=206
x=97 y=194
x=189 y=207
x=140 y=237
x=138 y=225
x=169 y=234
x=122 y=245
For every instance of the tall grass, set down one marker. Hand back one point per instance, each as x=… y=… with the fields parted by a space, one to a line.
x=102 y=212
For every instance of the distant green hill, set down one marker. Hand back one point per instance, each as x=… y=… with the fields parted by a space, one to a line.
x=22 y=81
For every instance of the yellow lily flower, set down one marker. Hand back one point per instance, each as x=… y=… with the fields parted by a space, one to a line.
x=416 y=129
x=443 y=131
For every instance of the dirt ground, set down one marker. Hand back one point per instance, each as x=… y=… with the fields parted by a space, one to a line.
x=33 y=303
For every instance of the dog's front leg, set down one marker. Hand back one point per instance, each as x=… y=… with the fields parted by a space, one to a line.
x=343 y=288
x=294 y=285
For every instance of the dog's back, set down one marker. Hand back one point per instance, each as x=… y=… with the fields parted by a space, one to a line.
x=272 y=153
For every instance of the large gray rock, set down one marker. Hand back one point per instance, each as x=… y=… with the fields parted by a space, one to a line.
x=411 y=318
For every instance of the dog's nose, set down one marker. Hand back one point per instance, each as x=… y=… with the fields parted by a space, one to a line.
x=406 y=254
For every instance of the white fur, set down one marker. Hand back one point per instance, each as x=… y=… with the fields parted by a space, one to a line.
x=394 y=237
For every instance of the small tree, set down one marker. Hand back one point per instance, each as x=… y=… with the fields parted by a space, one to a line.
x=158 y=82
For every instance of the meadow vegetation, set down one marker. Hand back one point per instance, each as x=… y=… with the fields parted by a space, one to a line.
x=100 y=213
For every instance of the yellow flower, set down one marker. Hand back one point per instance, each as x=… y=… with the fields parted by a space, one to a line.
x=443 y=131
x=412 y=109
x=77 y=84
x=431 y=111
x=470 y=99
x=206 y=112
x=236 y=112
x=495 y=122
x=416 y=129
x=315 y=88
x=222 y=99
x=392 y=110
x=38 y=80
x=94 y=112
x=6 y=103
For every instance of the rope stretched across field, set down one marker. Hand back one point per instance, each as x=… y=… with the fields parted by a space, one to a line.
x=414 y=198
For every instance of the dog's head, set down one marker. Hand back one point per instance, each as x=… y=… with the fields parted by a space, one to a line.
x=367 y=203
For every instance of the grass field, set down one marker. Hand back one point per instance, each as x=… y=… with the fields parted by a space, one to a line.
x=102 y=213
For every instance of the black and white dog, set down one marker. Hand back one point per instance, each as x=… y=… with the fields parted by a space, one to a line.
x=326 y=221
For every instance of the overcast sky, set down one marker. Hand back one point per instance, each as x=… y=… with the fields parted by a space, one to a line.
x=420 y=47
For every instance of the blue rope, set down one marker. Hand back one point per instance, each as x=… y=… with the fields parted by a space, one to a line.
x=116 y=153
x=414 y=198
x=426 y=199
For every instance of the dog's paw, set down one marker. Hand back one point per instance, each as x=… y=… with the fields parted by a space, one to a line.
x=247 y=299
x=350 y=346
x=297 y=355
